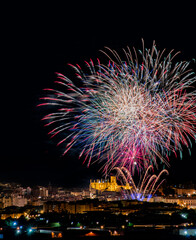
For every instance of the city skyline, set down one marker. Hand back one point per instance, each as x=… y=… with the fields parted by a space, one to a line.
x=28 y=155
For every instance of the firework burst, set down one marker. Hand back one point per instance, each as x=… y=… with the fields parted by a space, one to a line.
x=126 y=113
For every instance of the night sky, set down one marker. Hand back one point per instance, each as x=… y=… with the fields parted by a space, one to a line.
x=39 y=40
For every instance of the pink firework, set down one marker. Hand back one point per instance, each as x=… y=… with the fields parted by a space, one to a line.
x=127 y=113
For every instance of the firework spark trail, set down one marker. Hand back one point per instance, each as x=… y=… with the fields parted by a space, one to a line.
x=127 y=113
x=147 y=186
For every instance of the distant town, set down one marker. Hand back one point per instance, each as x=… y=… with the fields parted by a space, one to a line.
x=104 y=207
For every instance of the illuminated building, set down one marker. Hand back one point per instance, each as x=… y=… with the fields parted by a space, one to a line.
x=54 y=206
x=19 y=201
x=40 y=191
x=43 y=192
x=106 y=185
x=188 y=202
x=7 y=201
x=15 y=215
x=71 y=207
x=185 y=191
x=80 y=207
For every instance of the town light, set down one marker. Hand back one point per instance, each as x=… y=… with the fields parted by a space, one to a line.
x=184 y=215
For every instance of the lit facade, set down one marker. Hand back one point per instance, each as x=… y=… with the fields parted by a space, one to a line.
x=7 y=201
x=111 y=185
x=188 y=202
x=71 y=207
x=19 y=201
x=12 y=215
x=185 y=191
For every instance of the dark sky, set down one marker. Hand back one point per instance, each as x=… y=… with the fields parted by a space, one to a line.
x=39 y=40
